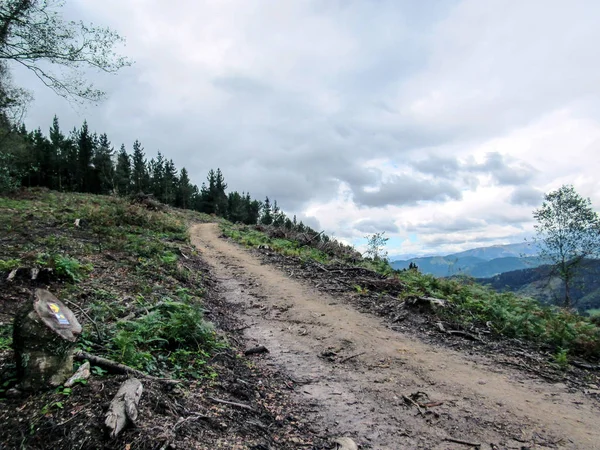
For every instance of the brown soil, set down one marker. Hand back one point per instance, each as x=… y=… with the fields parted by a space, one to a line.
x=358 y=378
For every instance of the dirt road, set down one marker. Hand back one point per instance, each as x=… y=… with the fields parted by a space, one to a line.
x=356 y=376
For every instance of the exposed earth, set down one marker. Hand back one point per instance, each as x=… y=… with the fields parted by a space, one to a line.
x=387 y=389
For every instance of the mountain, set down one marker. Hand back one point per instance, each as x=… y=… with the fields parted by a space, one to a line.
x=483 y=262
x=500 y=251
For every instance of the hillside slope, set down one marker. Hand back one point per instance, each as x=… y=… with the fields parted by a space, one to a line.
x=541 y=284
x=145 y=299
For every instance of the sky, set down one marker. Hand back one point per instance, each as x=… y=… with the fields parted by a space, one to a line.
x=442 y=123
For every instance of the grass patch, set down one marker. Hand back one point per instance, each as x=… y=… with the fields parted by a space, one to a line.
x=144 y=305
x=5 y=336
x=506 y=313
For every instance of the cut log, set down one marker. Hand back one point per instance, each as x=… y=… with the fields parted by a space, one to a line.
x=44 y=336
x=123 y=407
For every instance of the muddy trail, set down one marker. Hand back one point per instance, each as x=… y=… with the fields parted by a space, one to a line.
x=384 y=388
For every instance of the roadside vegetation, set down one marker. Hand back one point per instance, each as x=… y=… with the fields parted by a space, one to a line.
x=469 y=305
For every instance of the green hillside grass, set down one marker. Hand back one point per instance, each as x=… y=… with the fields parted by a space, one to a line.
x=121 y=271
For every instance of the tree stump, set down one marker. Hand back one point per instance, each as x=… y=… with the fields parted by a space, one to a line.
x=44 y=335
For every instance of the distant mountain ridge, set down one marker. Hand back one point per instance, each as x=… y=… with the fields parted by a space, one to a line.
x=481 y=262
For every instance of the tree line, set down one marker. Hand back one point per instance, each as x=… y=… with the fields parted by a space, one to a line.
x=84 y=161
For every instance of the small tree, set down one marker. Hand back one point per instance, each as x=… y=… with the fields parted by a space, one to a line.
x=568 y=231
x=376 y=246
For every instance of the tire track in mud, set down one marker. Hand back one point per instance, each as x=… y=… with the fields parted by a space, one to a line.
x=353 y=375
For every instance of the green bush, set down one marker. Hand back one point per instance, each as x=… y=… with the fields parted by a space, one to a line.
x=172 y=327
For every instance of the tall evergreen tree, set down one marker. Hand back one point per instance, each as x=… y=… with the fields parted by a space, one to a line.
x=139 y=173
x=60 y=150
x=157 y=175
x=170 y=183
x=85 y=155
x=103 y=166
x=207 y=194
x=185 y=190
x=123 y=172
x=253 y=208
x=220 y=197
x=267 y=216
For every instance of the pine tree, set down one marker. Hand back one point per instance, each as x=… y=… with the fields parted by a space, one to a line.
x=157 y=175
x=123 y=172
x=170 y=183
x=60 y=150
x=103 y=166
x=235 y=207
x=267 y=217
x=139 y=173
x=185 y=191
x=220 y=197
x=207 y=194
x=42 y=160
x=85 y=155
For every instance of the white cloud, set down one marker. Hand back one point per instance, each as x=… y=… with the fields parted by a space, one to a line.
x=440 y=122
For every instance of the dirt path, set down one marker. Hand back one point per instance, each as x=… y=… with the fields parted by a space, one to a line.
x=353 y=373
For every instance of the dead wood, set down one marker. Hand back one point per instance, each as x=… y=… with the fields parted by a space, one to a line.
x=87 y=316
x=12 y=275
x=123 y=407
x=409 y=400
x=352 y=357
x=256 y=350
x=461 y=441
x=465 y=334
x=44 y=335
x=585 y=366
x=115 y=367
x=227 y=402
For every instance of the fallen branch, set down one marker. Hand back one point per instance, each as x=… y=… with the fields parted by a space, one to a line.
x=465 y=334
x=461 y=441
x=411 y=401
x=182 y=420
x=351 y=357
x=226 y=402
x=87 y=316
x=586 y=366
x=115 y=367
x=123 y=407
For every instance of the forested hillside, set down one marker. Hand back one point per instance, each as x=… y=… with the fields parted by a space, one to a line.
x=85 y=161
x=543 y=284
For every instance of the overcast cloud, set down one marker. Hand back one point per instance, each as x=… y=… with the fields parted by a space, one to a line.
x=441 y=123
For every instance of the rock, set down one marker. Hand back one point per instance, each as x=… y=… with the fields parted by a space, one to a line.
x=44 y=336
x=13 y=393
x=83 y=373
x=345 y=443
